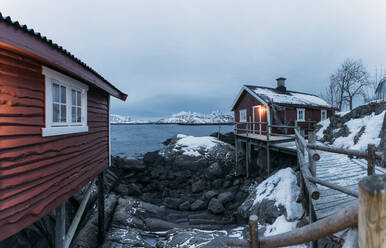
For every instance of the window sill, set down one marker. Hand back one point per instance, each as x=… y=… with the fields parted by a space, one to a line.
x=53 y=131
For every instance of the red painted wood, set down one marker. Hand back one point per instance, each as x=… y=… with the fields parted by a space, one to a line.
x=247 y=101
x=37 y=173
x=18 y=41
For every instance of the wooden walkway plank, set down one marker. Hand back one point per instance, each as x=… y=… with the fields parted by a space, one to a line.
x=341 y=170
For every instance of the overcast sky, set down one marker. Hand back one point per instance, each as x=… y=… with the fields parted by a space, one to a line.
x=170 y=56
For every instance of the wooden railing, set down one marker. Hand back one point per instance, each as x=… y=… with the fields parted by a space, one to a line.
x=374 y=185
x=257 y=128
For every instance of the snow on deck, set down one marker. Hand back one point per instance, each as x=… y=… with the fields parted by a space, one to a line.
x=338 y=169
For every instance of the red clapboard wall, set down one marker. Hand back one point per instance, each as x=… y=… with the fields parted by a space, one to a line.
x=37 y=174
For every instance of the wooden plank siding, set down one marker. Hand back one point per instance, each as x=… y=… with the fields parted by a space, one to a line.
x=247 y=101
x=37 y=174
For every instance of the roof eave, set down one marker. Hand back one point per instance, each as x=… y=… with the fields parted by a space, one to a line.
x=18 y=40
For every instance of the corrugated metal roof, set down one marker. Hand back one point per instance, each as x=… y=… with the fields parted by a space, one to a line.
x=44 y=39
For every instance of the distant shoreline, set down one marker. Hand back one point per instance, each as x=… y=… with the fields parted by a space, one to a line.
x=182 y=124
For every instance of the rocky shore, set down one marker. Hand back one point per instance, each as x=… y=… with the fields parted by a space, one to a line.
x=188 y=194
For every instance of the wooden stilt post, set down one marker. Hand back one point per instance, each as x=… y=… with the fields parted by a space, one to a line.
x=268 y=156
x=247 y=151
x=236 y=150
x=101 y=209
x=371 y=159
x=60 y=225
x=372 y=212
x=253 y=234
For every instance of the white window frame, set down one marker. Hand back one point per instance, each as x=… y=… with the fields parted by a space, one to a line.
x=321 y=114
x=298 y=110
x=68 y=127
x=241 y=113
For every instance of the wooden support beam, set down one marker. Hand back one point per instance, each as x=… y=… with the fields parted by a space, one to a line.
x=332 y=186
x=311 y=187
x=253 y=234
x=78 y=216
x=60 y=225
x=101 y=209
x=372 y=212
x=370 y=159
x=339 y=221
x=247 y=151
x=237 y=151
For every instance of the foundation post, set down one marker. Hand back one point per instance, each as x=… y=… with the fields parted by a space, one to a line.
x=60 y=225
x=372 y=212
x=101 y=209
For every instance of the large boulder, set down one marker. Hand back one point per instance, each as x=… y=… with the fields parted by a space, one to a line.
x=198 y=186
x=198 y=205
x=225 y=197
x=215 y=170
x=133 y=190
x=215 y=206
x=274 y=196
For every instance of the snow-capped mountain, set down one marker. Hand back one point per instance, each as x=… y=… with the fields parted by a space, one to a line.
x=196 y=118
x=119 y=119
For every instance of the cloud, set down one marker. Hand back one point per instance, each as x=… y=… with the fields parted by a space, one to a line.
x=186 y=50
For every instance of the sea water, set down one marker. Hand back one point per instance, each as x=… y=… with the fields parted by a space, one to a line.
x=136 y=140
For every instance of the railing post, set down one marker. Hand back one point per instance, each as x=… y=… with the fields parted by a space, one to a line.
x=370 y=159
x=311 y=140
x=247 y=128
x=253 y=232
x=372 y=212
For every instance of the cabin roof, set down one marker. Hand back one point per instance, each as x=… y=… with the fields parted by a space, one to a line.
x=267 y=95
x=15 y=36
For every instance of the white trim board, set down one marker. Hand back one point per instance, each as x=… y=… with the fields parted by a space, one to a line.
x=251 y=93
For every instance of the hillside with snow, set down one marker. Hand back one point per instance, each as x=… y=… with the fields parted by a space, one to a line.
x=196 y=118
x=355 y=129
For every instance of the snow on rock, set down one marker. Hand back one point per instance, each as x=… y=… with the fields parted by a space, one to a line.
x=196 y=118
x=197 y=238
x=281 y=191
x=324 y=125
x=192 y=146
x=281 y=225
x=363 y=131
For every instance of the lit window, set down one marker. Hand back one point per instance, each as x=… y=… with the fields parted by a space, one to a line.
x=243 y=115
x=301 y=114
x=66 y=104
x=323 y=114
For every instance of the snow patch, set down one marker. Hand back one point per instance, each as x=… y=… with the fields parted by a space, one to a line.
x=281 y=225
x=373 y=125
x=191 y=146
x=281 y=188
x=324 y=125
x=290 y=97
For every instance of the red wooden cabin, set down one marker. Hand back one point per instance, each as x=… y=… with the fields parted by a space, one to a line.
x=257 y=106
x=54 y=125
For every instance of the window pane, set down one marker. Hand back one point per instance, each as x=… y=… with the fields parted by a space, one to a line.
x=73 y=114
x=55 y=93
x=63 y=113
x=73 y=97
x=79 y=116
x=79 y=98
x=55 y=113
x=62 y=94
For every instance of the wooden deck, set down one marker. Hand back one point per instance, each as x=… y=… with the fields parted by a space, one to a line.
x=343 y=171
x=263 y=137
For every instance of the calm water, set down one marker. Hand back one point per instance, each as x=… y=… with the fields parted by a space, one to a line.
x=136 y=140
